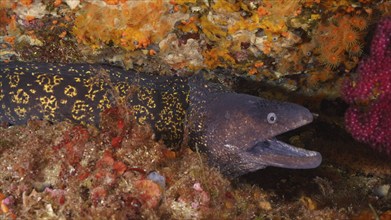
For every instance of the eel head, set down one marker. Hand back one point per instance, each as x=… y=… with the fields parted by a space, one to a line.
x=240 y=132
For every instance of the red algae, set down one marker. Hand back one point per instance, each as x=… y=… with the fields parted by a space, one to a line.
x=113 y=182
x=79 y=173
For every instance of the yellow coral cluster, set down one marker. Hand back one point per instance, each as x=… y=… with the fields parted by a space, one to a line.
x=230 y=27
x=217 y=57
x=226 y=29
x=230 y=19
x=339 y=40
x=308 y=38
x=275 y=13
x=131 y=26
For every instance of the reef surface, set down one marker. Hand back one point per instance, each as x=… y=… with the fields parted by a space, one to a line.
x=299 y=51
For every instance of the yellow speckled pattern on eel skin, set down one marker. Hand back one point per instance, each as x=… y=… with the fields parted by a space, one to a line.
x=236 y=131
x=80 y=92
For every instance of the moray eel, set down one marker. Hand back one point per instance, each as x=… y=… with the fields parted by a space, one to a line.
x=236 y=131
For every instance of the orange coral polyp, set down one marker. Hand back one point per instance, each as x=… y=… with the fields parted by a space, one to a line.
x=359 y=22
x=333 y=60
x=356 y=49
x=338 y=40
x=350 y=38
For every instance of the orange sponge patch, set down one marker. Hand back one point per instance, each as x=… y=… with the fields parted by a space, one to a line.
x=134 y=25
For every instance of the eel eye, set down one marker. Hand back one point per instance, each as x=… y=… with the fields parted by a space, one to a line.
x=271 y=118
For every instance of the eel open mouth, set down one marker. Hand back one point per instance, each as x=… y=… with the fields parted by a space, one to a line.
x=273 y=152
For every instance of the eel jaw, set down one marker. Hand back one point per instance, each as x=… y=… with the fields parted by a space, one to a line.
x=273 y=152
x=270 y=152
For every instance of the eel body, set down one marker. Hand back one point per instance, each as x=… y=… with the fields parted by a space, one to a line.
x=236 y=131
